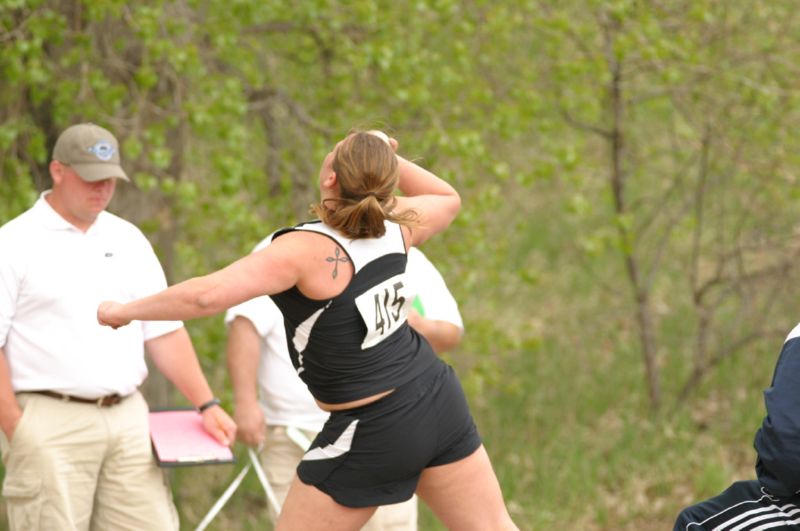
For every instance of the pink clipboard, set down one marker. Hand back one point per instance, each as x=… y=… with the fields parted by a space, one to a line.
x=179 y=439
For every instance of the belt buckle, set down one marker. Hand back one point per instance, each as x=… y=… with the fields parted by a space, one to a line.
x=109 y=400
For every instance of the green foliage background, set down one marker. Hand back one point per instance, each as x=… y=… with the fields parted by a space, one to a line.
x=624 y=258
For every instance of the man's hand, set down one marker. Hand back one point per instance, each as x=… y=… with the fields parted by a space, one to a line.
x=9 y=421
x=10 y=412
x=219 y=424
x=250 y=426
x=109 y=314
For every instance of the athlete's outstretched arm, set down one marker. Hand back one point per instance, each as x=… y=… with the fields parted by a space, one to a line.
x=271 y=270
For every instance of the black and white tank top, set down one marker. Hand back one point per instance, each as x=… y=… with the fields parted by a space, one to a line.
x=358 y=343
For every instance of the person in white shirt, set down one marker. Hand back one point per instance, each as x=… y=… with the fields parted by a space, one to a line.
x=270 y=397
x=74 y=429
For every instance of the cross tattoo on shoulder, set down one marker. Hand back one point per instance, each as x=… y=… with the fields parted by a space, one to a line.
x=336 y=260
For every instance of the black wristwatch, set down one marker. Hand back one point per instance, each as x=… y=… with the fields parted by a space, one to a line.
x=213 y=402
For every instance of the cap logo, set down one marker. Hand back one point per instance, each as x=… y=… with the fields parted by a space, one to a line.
x=103 y=150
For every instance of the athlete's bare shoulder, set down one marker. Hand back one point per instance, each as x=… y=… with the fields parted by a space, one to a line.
x=326 y=266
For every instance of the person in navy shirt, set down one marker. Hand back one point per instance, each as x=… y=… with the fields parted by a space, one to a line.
x=772 y=500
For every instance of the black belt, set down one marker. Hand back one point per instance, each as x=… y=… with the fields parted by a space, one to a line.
x=103 y=401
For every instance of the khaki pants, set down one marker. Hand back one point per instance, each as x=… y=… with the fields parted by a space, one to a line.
x=72 y=466
x=280 y=457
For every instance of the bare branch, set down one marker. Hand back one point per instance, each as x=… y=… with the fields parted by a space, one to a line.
x=584 y=126
x=18 y=32
x=699 y=200
x=260 y=98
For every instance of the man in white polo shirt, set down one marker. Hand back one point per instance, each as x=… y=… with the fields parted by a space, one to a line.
x=270 y=396
x=74 y=429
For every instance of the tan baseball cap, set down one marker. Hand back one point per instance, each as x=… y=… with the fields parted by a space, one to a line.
x=91 y=151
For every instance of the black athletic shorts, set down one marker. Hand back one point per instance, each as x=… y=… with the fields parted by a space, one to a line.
x=374 y=454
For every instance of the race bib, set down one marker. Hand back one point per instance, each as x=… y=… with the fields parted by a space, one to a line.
x=383 y=308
